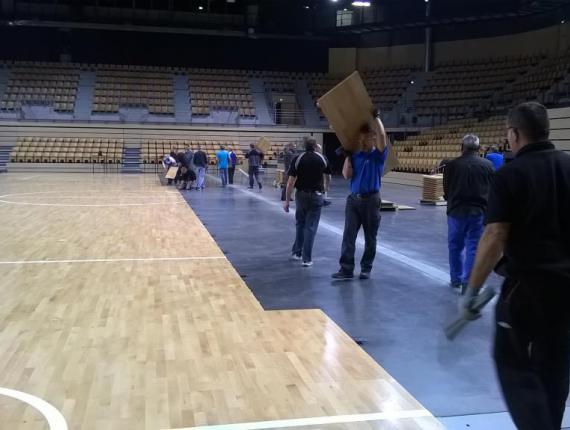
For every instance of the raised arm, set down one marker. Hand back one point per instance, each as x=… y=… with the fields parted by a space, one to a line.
x=347 y=168
x=380 y=134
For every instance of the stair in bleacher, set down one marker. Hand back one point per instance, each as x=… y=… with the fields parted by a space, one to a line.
x=182 y=107
x=4 y=157
x=260 y=102
x=85 y=93
x=131 y=160
x=307 y=105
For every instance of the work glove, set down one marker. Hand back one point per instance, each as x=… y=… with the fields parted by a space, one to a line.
x=468 y=302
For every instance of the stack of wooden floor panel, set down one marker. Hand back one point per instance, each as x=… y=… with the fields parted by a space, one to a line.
x=432 y=188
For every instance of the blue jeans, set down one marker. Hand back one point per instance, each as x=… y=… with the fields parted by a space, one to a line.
x=224 y=176
x=463 y=237
x=307 y=215
x=201 y=174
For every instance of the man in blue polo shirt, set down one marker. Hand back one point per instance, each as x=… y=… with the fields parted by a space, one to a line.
x=223 y=161
x=364 y=169
x=495 y=157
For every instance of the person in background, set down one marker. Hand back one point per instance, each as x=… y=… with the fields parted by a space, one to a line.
x=223 y=163
x=528 y=223
x=169 y=161
x=309 y=174
x=232 y=166
x=364 y=169
x=180 y=163
x=187 y=174
x=466 y=182
x=201 y=164
x=288 y=156
x=495 y=157
x=255 y=158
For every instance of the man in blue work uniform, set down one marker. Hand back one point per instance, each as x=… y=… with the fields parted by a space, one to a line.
x=528 y=223
x=495 y=157
x=466 y=182
x=364 y=169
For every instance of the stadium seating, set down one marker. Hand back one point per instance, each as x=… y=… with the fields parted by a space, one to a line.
x=386 y=86
x=66 y=150
x=461 y=88
x=152 y=90
x=30 y=83
x=538 y=80
x=422 y=153
x=210 y=92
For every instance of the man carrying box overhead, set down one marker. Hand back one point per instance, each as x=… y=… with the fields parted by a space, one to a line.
x=364 y=168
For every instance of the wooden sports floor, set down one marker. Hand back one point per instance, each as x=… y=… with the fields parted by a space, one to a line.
x=119 y=309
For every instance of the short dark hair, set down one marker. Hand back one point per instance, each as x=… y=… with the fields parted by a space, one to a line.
x=310 y=143
x=251 y=145
x=531 y=119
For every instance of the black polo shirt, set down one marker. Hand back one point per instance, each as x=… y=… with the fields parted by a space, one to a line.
x=309 y=171
x=532 y=194
x=466 y=182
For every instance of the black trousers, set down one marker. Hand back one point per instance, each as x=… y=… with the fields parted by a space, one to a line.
x=231 y=171
x=307 y=215
x=253 y=172
x=532 y=351
x=359 y=212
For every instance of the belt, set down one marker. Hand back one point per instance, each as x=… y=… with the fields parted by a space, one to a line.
x=309 y=191
x=365 y=195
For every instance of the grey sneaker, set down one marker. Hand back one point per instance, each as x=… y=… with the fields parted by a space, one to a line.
x=296 y=257
x=364 y=275
x=307 y=263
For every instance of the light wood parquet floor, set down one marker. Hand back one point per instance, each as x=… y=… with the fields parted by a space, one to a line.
x=119 y=309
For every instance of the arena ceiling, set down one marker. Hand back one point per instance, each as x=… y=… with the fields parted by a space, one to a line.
x=275 y=17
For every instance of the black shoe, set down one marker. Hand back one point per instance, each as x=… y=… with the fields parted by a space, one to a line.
x=342 y=276
x=260 y=186
x=364 y=275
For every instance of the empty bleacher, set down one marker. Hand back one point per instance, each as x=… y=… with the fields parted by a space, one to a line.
x=66 y=150
x=30 y=83
x=220 y=91
x=148 y=89
x=458 y=89
x=422 y=153
x=386 y=86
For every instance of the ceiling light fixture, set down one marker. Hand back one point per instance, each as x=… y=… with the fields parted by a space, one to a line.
x=200 y=7
x=361 y=3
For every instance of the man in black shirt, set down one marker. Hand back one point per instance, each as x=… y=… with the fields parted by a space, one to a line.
x=255 y=159
x=466 y=188
x=309 y=174
x=528 y=221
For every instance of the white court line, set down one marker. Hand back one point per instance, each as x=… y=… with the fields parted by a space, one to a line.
x=113 y=260
x=426 y=269
x=315 y=421
x=54 y=418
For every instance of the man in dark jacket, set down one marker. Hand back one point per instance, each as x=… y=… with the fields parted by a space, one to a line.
x=255 y=159
x=201 y=164
x=466 y=182
x=528 y=222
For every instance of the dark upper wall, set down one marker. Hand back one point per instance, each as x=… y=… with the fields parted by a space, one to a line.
x=122 y=47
